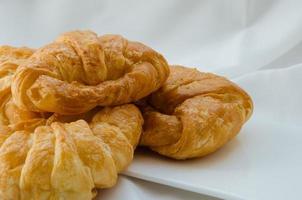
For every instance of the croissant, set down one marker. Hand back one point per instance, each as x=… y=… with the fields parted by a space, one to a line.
x=10 y=114
x=81 y=70
x=193 y=114
x=69 y=160
x=14 y=55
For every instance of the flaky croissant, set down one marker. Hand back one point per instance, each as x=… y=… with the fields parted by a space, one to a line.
x=80 y=71
x=193 y=114
x=10 y=114
x=69 y=160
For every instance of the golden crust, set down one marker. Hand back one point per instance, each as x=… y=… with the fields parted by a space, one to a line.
x=10 y=115
x=17 y=54
x=80 y=71
x=193 y=114
x=69 y=160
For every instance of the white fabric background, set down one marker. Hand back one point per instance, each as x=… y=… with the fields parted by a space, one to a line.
x=255 y=43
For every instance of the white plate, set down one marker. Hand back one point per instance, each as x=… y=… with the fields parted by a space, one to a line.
x=136 y=189
x=263 y=162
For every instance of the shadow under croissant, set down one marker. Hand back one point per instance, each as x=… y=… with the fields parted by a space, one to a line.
x=216 y=157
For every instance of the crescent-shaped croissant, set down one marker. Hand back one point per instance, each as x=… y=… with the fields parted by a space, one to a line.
x=193 y=114
x=81 y=70
x=69 y=160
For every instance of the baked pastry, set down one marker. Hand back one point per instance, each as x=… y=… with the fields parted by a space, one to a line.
x=69 y=160
x=14 y=55
x=81 y=70
x=10 y=114
x=193 y=114
x=10 y=59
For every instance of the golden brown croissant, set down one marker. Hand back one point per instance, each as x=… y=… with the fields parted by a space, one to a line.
x=69 y=160
x=194 y=114
x=10 y=114
x=80 y=71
